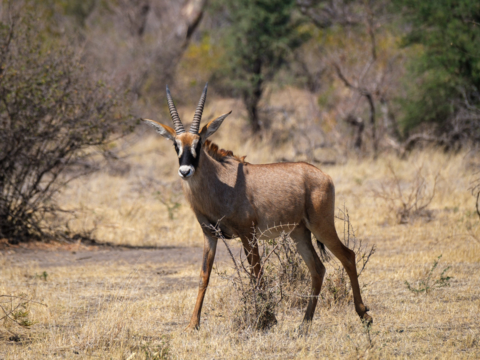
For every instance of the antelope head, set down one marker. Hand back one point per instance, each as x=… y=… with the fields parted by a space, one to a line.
x=188 y=145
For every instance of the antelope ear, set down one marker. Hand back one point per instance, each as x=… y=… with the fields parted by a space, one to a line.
x=212 y=126
x=164 y=130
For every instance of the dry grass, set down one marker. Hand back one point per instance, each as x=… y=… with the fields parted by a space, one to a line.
x=121 y=311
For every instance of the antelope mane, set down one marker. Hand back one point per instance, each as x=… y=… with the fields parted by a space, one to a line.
x=221 y=154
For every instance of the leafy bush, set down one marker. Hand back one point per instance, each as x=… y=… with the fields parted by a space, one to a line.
x=259 y=39
x=444 y=88
x=51 y=115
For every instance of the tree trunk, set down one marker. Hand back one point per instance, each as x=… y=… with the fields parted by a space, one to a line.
x=251 y=97
x=181 y=24
x=359 y=125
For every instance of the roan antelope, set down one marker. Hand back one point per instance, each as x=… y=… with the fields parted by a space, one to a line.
x=221 y=186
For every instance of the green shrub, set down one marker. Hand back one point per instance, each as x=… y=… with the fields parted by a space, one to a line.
x=443 y=89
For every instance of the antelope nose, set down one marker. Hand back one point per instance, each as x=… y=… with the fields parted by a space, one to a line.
x=184 y=172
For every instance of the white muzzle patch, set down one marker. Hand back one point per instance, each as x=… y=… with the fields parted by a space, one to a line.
x=186 y=171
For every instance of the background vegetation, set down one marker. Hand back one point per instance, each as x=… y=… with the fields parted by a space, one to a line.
x=376 y=77
x=382 y=95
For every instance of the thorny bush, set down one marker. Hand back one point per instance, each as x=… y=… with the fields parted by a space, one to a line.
x=408 y=200
x=284 y=277
x=260 y=295
x=54 y=119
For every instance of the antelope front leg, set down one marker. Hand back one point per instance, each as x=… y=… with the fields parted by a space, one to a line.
x=209 y=248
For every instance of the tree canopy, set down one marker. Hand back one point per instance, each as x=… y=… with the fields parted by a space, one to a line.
x=260 y=37
x=446 y=70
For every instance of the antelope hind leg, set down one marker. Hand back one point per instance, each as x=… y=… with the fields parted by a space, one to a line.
x=327 y=234
x=303 y=240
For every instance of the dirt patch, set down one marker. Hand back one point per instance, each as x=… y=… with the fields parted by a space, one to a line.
x=54 y=254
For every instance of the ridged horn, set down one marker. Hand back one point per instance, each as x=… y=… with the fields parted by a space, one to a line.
x=179 y=129
x=198 y=112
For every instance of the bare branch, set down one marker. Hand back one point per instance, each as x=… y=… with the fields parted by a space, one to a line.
x=368 y=95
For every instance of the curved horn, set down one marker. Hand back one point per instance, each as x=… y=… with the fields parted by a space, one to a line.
x=198 y=112
x=179 y=129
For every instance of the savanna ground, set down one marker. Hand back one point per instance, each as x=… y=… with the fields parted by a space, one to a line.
x=134 y=301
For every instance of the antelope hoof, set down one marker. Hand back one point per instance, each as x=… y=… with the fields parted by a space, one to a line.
x=304 y=328
x=367 y=319
x=192 y=327
x=362 y=312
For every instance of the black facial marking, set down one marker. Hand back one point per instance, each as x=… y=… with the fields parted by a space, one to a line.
x=187 y=156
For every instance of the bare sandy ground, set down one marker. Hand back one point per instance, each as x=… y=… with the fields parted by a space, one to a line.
x=167 y=259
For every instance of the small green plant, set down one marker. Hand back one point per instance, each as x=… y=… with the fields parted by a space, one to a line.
x=43 y=276
x=21 y=317
x=170 y=203
x=15 y=310
x=427 y=283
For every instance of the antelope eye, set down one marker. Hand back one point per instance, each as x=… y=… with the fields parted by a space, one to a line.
x=175 y=146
